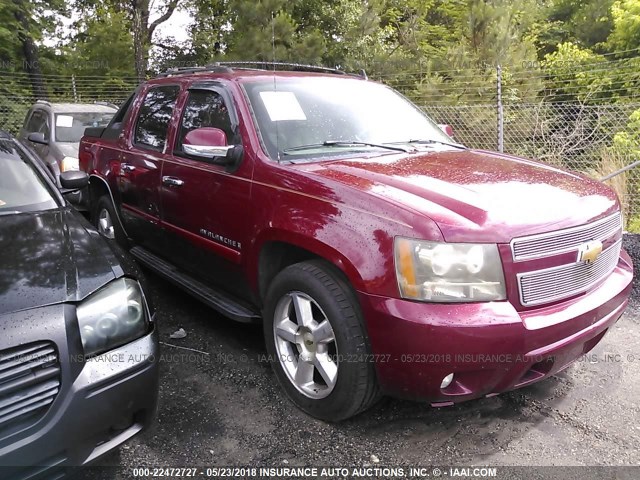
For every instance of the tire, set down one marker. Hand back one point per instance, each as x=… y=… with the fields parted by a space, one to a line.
x=325 y=369
x=107 y=222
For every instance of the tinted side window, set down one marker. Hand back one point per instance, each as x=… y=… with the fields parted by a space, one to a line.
x=27 y=121
x=115 y=125
x=154 y=117
x=205 y=108
x=38 y=123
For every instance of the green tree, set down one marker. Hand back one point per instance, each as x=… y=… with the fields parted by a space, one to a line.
x=587 y=23
x=626 y=27
x=23 y=25
x=266 y=30
x=138 y=15
x=102 y=46
x=576 y=74
x=489 y=33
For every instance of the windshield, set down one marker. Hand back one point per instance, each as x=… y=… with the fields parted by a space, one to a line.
x=316 y=117
x=21 y=187
x=70 y=126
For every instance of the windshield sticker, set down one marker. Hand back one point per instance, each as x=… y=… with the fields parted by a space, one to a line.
x=282 y=106
x=64 y=121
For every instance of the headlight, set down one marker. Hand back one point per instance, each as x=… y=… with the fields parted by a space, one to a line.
x=113 y=316
x=448 y=272
x=69 y=163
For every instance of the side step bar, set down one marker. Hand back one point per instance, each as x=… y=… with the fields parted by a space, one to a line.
x=216 y=299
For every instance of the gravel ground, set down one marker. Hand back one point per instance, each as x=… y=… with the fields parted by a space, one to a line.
x=225 y=408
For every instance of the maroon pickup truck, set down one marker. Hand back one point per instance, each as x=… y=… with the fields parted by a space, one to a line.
x=381 y=256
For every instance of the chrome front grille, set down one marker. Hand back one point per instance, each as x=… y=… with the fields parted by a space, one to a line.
x=556 y=283
x=562 y=241
x=29 y=383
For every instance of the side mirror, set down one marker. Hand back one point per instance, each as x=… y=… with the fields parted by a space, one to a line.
x=210 y=144
x=38 y=137
x=448 y=129
x=73 y=180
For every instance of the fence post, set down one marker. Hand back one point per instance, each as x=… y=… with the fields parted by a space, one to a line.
x=73 y=85
x=500 y=109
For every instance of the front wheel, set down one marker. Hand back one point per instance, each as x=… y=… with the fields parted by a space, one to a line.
x=317 y=342
x=106 y=221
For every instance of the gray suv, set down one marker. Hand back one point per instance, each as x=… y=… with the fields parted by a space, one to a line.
x=54 y=131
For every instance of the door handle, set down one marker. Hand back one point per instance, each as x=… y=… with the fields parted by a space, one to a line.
x=172 y=181
x=125 y=167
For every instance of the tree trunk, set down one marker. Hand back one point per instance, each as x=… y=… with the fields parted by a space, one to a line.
x=143 y=32
x=30 y=51
x=140 y=36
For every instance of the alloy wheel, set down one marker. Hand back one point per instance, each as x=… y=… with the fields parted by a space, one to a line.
x=306 y=345
x=105 y=224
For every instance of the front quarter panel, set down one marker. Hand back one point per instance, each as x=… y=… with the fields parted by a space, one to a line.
x=343 y=225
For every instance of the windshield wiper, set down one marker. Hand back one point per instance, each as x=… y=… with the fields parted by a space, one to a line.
x=343 y=143
x=428 y=142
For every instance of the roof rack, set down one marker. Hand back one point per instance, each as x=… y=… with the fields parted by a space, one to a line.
x=214 y=67
x=227 y=67
x=296 y=67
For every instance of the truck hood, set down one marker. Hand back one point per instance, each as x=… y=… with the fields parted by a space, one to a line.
x=48 y=258
x=478 y=196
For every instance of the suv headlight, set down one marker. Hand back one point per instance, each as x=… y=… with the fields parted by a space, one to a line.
x=69 y=163
x=114 y=315
x=448 y=272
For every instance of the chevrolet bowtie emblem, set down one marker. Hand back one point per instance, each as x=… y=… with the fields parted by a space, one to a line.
x=588 y=252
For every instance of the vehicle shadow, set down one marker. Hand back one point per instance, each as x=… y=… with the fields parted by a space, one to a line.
x=469 y=431
x=231 y=397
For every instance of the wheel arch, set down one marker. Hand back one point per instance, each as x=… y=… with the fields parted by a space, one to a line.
x=282 y=249
x=98 y=187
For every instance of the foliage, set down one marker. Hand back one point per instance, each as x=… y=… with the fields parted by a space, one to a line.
x=102 y=46
x=626 y=26
x=628 y=140
x=447 y=48
x=442 y=51
x=572 y=76
x=560 y=59
x=586 y=23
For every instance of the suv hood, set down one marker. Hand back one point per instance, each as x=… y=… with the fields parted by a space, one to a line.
x=49 y=257
x=478 y=196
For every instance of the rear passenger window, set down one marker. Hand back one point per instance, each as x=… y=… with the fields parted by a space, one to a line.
x=38 y=123
x=117 y=122
x=205 y=108
x=154 y=117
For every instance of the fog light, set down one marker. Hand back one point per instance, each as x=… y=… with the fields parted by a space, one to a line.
x=446 y=381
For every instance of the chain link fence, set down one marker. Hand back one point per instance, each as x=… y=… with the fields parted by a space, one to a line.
x=596 y=140
x=593 y=139
x=16 y=95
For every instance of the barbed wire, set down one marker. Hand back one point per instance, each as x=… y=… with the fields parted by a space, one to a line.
x=632 y=69
x=542 y=64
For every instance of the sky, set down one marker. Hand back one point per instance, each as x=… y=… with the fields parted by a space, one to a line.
x=176 y=26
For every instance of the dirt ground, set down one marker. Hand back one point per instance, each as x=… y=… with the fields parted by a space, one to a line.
x=223 y=407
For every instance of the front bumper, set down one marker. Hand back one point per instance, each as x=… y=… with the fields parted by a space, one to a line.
x=113 y=398
x=490 y=347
